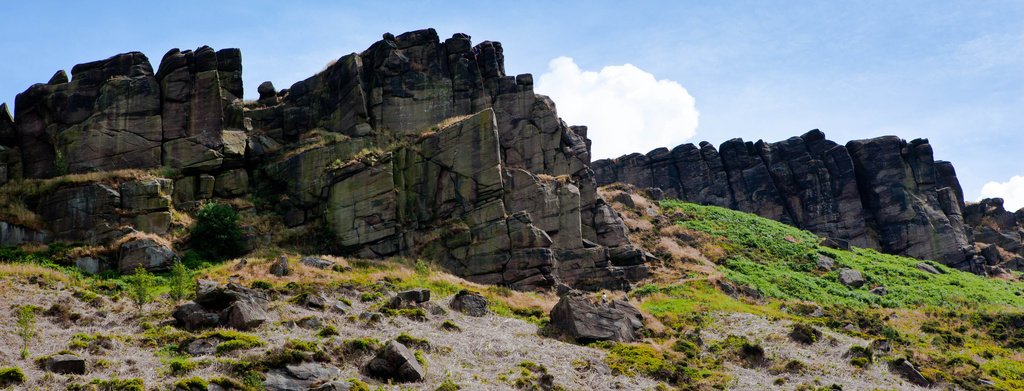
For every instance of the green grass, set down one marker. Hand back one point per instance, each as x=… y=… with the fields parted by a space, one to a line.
x=779 y=261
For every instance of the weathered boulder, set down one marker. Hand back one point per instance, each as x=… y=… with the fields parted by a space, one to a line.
x=907 y=370
x=396 y=362
x=927 y=268
x=146 y=253
x=203 y=346
x=266 y=90
x=469 y=303
x=316 y=262
x=415 y=295
x=234 y=306
x=193 y=316
x=280 y=268
x=586 y=322
x=66 y=363
x=299 y=377
x=825 y=263
x=851 y=278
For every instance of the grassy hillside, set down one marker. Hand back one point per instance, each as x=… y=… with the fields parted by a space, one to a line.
x=789 y=325
x=959 y=329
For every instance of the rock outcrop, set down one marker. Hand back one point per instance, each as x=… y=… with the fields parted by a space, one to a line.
x=414 y=146
x=586 y=322
x=883 y=193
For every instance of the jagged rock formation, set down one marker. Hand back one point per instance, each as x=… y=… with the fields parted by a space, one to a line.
x=998 y=233
x=882 y=193
x=414 y=146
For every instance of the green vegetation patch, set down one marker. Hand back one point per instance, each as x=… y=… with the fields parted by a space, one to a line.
x=109 y=385
x=12 y=375
x=780 y=262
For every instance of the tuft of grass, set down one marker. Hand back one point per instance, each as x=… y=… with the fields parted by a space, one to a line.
x=11 y=375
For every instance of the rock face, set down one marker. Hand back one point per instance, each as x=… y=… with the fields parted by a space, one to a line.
x=998 y=233
x=883 y=193
x=414 y=146
x=106 y=118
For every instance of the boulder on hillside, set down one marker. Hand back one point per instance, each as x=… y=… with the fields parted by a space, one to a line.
x=851 y=278
x=66 y=363
x=317 y=262
x=299 y=377
x=147 y=253
x=586 y=322
x=415 y=295
x=927 y=268
x=193 y=316
x=230 y=305
x=907 y=370
x=396 y=362
x=469 y=303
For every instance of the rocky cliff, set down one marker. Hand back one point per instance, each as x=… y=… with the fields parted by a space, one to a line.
x=883 y=193
x=414 y=146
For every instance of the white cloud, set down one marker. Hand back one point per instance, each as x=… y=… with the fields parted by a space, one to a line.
x=1012 y=192
x=625 y=109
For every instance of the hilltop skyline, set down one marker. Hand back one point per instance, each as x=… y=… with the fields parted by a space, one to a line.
x=686 y=72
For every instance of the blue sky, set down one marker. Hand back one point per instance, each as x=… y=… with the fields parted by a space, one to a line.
x=949 y=71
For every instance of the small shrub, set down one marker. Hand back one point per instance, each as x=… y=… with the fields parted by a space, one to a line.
x=261 y=284
x=181 y=366
x=358 y=385
x=370 y=296
x=448 y=385
x=686 y=347
x=450 y=326
x=140 y=288
x=635 y=360
x=305 y=346
x=412 y=342
x=859 y=362
x=181 y=281
x=216 y=234
x=327 y=331
x=109 y=385
x=192 y=384
x=795 y=366
x=26 y=327
x=805 y=334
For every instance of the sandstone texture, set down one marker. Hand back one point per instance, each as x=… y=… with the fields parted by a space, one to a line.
x=882 y=193
x=416 y=146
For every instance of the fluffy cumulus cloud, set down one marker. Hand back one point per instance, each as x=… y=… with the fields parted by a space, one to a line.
x=1011 y=192
x=625 y=109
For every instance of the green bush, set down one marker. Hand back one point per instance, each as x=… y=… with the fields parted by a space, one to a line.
x=140 y=287
x=216 y=234
x=181 y=281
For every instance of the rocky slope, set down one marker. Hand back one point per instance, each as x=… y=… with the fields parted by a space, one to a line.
x=414 y=146
x=883 y=193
